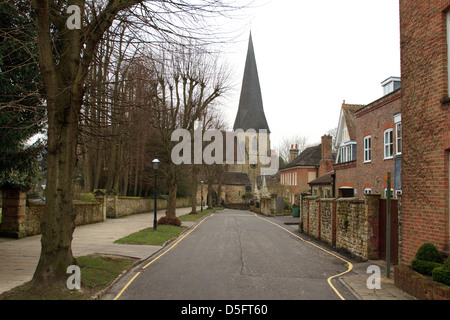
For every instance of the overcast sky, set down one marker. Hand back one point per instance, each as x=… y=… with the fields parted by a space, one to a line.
x=312 y=55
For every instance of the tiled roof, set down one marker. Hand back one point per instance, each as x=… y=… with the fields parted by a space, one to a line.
x=350 y=118
x=327 y=178
x=309 y=157
x=235 y=179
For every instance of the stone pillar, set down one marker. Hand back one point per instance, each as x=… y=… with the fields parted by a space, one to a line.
x=100 y=196
x=13 y=214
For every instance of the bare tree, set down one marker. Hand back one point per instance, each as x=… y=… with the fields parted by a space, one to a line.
x=186 y=85
x=65 y=58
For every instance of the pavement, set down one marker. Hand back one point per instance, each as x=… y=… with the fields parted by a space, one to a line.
x=19 y=258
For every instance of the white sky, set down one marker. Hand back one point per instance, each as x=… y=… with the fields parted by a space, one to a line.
x=312 y=55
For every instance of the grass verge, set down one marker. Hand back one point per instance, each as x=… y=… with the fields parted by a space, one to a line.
x=198 y=215
x=153 y=238
x=97 y=273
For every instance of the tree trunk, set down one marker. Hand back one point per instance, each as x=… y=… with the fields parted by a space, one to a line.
x=172 y=186
x=194 y=189
x=58 y=221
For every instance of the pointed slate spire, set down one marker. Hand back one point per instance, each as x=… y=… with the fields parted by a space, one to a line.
x=251 y=112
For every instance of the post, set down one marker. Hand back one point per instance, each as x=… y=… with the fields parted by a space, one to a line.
x=155 y=222
x=201 y=196
x=155 y=164
x=388 y=226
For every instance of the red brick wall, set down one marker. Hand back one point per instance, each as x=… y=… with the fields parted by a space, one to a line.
x=425 y=121
x=346 y=174
x=373 y=120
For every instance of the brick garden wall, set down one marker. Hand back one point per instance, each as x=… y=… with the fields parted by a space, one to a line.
x=349 y=224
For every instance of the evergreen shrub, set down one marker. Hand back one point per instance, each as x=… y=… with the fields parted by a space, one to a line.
x=442 y=274
x=427 y=258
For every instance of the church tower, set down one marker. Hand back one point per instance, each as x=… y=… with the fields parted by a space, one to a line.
x=251 y=116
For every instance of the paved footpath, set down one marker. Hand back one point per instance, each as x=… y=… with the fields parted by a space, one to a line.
x=19 y=258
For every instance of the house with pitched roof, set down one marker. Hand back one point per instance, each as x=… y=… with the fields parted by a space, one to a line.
x=345 y=166
x=307 y=166
x=369 y=144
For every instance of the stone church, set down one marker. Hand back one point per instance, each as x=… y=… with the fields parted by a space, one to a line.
x=237 y=182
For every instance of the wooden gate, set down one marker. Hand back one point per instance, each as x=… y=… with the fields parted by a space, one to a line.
x=394 y=230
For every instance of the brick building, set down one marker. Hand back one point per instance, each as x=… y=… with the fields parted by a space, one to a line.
x=425 y=34
x=369 y=143
x=310 y=164
x=345 y=166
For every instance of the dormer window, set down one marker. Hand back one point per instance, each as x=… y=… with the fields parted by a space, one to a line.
x=390 y=85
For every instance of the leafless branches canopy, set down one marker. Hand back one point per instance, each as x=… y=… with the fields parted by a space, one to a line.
x=131 y=71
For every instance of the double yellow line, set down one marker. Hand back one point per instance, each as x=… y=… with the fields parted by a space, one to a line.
x=159 y=256
x=350 y=265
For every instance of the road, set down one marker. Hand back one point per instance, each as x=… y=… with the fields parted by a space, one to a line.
x=236 y=255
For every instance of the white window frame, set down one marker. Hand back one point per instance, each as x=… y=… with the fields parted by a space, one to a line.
x=398 y=138
x=388 y=145
x=393 y=194
x=345 y=152
x=367 y=190
x=367 y=149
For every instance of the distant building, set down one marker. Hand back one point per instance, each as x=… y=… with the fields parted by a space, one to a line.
x=306 y=167
x=235 y=183
x=323 y=186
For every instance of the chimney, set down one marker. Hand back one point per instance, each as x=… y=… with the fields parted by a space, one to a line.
x=326 y=163
x=293 y=152
x=326 y=147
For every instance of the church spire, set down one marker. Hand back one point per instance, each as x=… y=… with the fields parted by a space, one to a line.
x=251 y=112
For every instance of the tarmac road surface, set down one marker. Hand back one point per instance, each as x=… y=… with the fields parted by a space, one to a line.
x=236 y=255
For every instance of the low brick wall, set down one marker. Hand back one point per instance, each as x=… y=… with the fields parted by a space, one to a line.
x=418 y=285
x=344 y=223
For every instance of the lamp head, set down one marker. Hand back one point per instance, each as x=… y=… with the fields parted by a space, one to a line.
x=155 y=164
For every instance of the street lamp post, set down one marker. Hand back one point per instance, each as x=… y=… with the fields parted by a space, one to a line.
x=155 y=164
x=201 y=196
